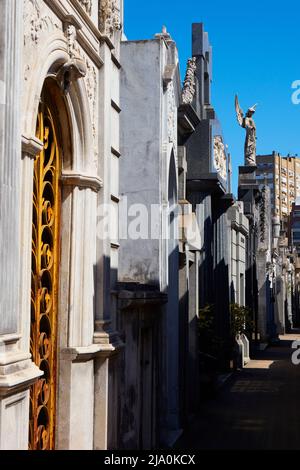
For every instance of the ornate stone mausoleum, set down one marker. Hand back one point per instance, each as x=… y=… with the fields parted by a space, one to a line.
x=100 y=341
x=59 y=153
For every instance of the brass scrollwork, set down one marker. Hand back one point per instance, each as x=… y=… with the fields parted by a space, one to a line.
x=45 y=250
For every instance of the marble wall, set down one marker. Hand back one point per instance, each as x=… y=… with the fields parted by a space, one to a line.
x=76 y=45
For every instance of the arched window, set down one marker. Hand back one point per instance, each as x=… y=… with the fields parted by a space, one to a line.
x=45 y=277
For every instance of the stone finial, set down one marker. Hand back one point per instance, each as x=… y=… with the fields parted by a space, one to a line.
x=164 y=31
x=164 y=34
x=189 y=85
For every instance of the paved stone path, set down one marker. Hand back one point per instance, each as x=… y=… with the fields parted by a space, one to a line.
x=258 y=409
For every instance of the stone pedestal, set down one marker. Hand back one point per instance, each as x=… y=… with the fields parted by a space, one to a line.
x=247 y=175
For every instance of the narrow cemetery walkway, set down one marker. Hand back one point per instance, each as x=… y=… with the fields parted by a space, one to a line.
x=258 y=409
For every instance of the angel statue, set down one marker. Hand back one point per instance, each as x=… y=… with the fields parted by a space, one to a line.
x=248 y=123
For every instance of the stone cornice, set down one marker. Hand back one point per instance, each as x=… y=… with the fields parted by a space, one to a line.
x=31 y=146
x=62 y=14
x=136 y=299
x=91 y=25
x=240 y=228
x=81 y=21
x=17 y=371
x=105 y=345
x=81 y=353
x=18 y=375
x=107 y=339
x=82 y=180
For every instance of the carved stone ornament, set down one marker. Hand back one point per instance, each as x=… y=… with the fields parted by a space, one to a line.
x=263 y=215
x=76 y=67
x=70 y=32
x=189 y=85
x=220 y=161
x=109 y=17
x=70 y=72
x=79 y=66
x=39 y=22
x=36 y=22
x=91 y=87
x=74 y=50
x=86 y=5
x=172 y=117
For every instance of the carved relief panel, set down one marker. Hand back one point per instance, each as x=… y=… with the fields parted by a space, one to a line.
x=86 y=5
x=109 y=16
x=219 y=157
x=41 y=26
x=189 y=85
x=38 y=21
x=172 y=115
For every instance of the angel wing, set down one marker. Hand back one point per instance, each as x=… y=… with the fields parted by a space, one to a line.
x=239 y=111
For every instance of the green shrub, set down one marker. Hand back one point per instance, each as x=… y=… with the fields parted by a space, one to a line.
x=210 y=343
x=241 y=320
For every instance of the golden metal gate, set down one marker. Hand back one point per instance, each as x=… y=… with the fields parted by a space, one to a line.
x=44 y=287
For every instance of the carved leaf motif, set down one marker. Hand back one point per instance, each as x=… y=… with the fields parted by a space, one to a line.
x=70 y=32
x=109 y=17
x=189 y=85
x=38 y=21
x=35 y=24
x=220 y=160
x=32 y=26
x=171 y=114
x=91 y=86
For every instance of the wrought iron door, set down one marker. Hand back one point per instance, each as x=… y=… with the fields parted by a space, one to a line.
x=44 y=288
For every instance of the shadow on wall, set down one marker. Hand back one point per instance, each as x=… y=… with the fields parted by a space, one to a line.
x=147 y=321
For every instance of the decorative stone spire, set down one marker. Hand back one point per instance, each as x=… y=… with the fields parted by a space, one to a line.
x=189 y=85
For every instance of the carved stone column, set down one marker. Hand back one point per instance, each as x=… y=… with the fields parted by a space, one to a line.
x=83 y=257
x=76 y=322
x=10 y=150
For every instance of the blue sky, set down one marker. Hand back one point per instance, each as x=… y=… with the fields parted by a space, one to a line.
x=256 y=53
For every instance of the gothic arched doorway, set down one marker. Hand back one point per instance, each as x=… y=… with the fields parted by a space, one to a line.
x=45 y=276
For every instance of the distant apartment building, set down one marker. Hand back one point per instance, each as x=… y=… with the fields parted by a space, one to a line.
x=295 y=225
x=282 y=174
